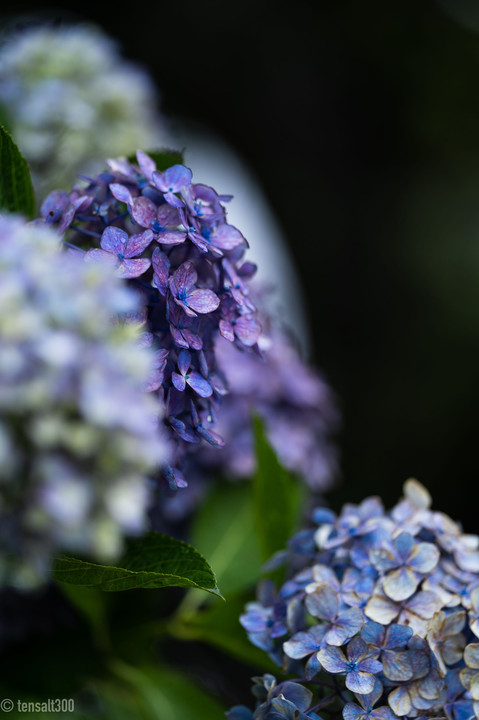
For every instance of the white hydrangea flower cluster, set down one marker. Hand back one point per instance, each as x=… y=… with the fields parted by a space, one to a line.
x=70 y=97
x=79 y=434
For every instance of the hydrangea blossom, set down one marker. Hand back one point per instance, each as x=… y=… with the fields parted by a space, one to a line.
x=79 y=434
x=295 y=403
x=375 y=619
x=169 y=238
x=70 y=99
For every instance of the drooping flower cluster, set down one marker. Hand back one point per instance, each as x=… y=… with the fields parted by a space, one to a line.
x=295 y=403
x=379 y=617
x=169 y=238
x=70 y=99
x=79 y=434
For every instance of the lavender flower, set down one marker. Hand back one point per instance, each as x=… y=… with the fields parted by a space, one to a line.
x=71 y=99
x=79 y=435
x=404 y=644
x=169 y=239
x=293 y=400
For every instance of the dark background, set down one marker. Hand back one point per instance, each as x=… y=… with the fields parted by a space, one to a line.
x=360 y=119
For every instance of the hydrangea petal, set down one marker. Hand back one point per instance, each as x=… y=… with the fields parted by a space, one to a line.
x=114 y=239
x=203 y=301
x=332 y=659
x=360 y=682
x=200 y=385
x=400 y=584
x=424 y=557
x=133 y=268
x=136 y=244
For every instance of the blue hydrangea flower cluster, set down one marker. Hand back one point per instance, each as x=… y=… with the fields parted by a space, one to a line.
x=79 y=434
x=378 y=618
x=169 y=238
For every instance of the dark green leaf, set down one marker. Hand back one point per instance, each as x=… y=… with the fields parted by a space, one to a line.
x=164 y=694
x=152 y=561
x=276 y=497
x=16 y=189
x=164 y=158
x=219 y=625
x=223 y=531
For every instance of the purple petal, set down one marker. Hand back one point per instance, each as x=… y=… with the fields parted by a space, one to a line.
x=322 y=603
x=332 y=659
x=161 y=266
x=173 y=179
x=173 y=200
x=137 y=243
x=351 y=711
x=102 y=255
x=143 y=211
x=121 y=193
x=227 y=237
x=200 y=385
x=373 y=633
x=168 y=216
x=146 y=163
x=397 y=636
x=370 y=665
x=178 y=338
x=301 y=645
x=247 y=329
x=184 y=278
x=114 y=239
x=213 y=438
x=133 y=268
x=356 y=650
x=312 y=667
x=348 y=624
x=297 y=694
x=184 y=361
x=397 y=666
x=184 y=431
x=203 y=301
x=226 y=330
x=171 y=237
x=360 y=682
x=178 y=381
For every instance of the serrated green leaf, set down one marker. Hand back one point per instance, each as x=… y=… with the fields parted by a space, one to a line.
x=276 y=497
x=164 y=158
x=16 y=189
x=152 y=561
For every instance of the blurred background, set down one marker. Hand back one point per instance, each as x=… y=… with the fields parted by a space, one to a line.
x=358 y=122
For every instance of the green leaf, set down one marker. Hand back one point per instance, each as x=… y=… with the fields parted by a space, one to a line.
x=164 y=158
x=223 y=531
x=277 y=497
x=152 y=561
x=218 y=625
x=164 y=694
x=16 y=189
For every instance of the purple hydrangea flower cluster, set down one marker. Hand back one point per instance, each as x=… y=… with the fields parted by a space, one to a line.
x=378 y=618
x=295 y=403
x=79 y=435
x=169 y=238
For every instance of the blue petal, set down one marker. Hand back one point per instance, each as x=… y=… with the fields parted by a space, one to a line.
x=351 y=711
x=239 y=712
x=297 y=694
